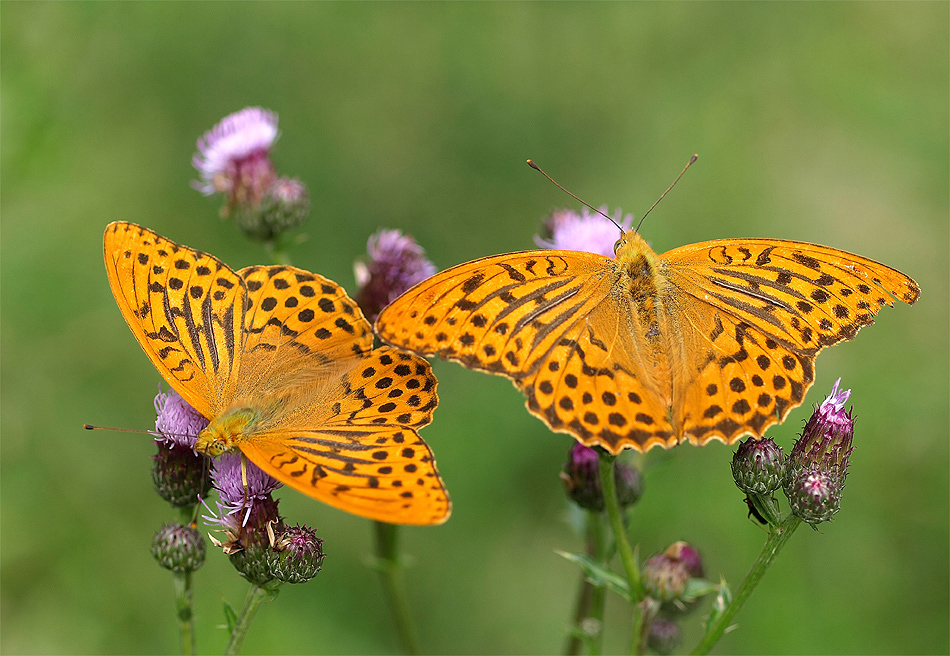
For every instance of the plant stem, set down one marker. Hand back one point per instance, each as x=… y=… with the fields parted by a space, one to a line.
x=591 y=599
x=255 y=597
x=184 y=609
x=778 y=536
x=608 y=484
x=186 y=617
x=387 y=562
x=643 y=618
x=277 y=252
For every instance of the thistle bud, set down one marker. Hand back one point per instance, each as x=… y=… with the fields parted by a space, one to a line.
x=253 y=555
x=179 y=474
x=285 y=205
x=758 y=466
x=818 y=464
x=581 y=477
x=665 y=636
x=178 y=548
x=665 y=575
x=299 y=554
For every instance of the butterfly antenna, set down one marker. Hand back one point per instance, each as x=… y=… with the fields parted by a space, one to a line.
x=579 y=200
x=122 y=430
x=688 y=164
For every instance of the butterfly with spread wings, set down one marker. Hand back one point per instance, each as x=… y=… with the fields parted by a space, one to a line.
x=714 y=340
x=281 y=361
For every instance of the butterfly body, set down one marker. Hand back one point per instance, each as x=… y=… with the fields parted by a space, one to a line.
x=226 y=431
x=708 y=341
x=281 y=362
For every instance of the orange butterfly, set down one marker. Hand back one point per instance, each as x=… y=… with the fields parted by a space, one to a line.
x=281 y=362
x=710 y=341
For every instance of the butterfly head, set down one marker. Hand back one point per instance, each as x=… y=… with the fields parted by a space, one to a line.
x=225 y=431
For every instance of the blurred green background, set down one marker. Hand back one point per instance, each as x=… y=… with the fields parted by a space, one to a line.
x=823 y=122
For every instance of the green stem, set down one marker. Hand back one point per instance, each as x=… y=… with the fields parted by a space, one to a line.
x=255 y=597
x=387 y=562
x=608 y=484
x=643 y=617
x=186 y=616
x=591 y=599
x=184 y=608
x=778 y=536
x=278 y=254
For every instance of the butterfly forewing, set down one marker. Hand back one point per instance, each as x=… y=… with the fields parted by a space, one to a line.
x=500 y=314
x=803 y=295
x=365 y=457
x=299 y=329
x=184 y=307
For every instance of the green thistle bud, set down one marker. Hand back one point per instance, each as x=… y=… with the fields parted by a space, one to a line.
x=299 y=555
x=813 y=496
x=286 y=205
x=178 y=548
x=758 y=466
x=179 y=475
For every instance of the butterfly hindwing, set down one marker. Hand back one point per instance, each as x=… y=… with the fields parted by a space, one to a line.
x=599 y=384
x=184 y=307
x=364 y=455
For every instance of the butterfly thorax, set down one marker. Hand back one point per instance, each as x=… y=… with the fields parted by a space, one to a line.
x=639 y=268
x=227 y=430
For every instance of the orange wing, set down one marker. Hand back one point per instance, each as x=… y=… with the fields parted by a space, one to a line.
x=184 y=307
x=747 y=319
x=553 y=323
x=354 y=444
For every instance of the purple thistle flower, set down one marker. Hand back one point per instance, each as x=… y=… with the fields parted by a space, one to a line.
x=239 y=141
x=229 y=482
x=818 y=464
x=567 y=230
x=178 y=423
x=394 y=263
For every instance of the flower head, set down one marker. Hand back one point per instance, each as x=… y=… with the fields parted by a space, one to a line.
x=177 y=471
x=758 y=466
x=394 y=263
x=178 y=423
x=178 y=548
x=568 y=230
x=665 y=575
x=229 y=481
x=818 y=464
x=239 y=141
x=581 y=477
x=300 y=554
